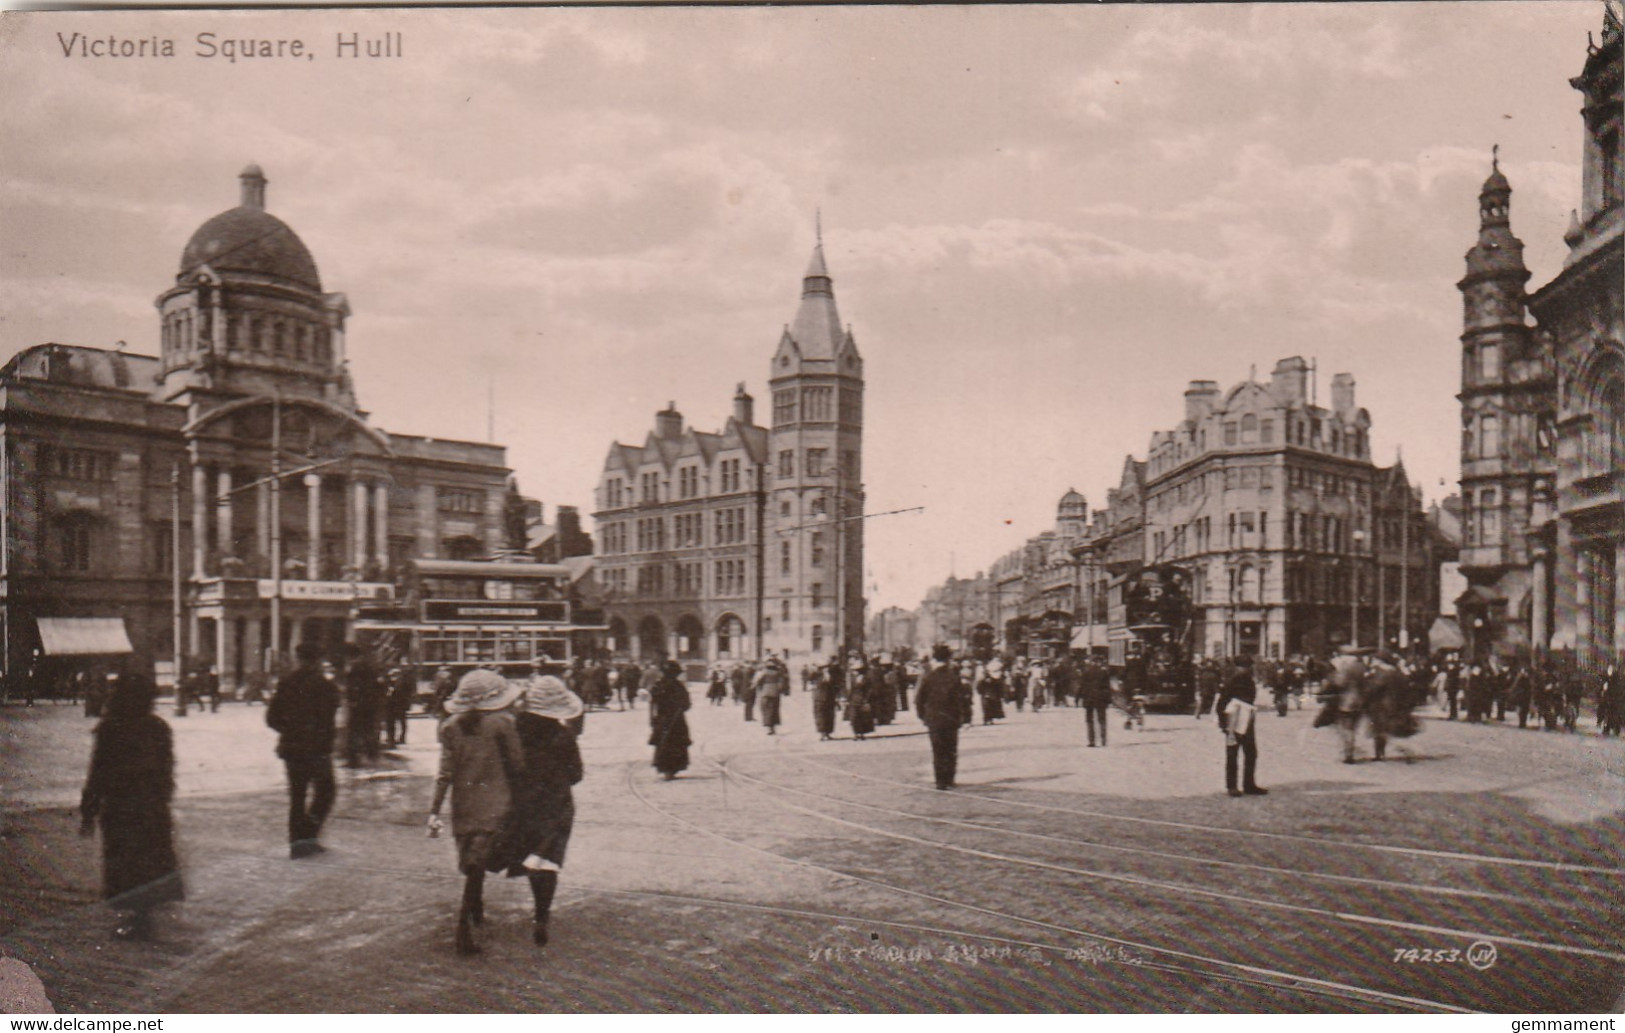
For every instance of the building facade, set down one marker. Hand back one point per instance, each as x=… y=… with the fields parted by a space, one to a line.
x=237 y=465
x=1262 y=507
x=728 y=545
x=1543 y=411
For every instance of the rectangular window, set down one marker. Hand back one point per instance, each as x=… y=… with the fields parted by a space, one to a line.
x=817 y=403
x=784 y=557
x=787 y=463
x=1489 y=361
x=784 y=407
x=1489 y=436
x=817 y=595
x=815 y=461
x=74 y=542
x=817 y=557
x=460 y=500
x=817 y=638
x=1230 y=433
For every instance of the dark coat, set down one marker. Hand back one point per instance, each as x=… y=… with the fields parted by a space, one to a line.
x=1239 y=685
x=940 y=700
x=543 y=808
x=303 y=711
x=131 y=784
x=668 y=734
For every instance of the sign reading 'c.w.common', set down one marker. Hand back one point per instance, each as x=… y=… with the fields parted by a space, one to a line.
x=435 y=610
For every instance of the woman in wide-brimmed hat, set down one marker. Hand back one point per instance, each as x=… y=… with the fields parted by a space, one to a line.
x=668 y=734
x=480 y=759
x=544 y=809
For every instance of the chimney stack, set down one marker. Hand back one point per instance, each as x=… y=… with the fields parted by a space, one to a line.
x=1343 y=394
x=1290 y=381
x=744 y=406
x=1199 y=399
x=669 y=422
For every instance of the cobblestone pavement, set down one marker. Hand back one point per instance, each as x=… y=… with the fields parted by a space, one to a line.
x=785 y=874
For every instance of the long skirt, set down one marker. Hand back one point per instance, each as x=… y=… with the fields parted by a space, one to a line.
x=139 y=866
x=824 y=715
x=862 y=717
x=671 y=744
x=993 y=702
x=770 y=711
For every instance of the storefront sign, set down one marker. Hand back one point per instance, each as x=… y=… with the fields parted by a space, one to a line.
x=330 y=591
x=437 y=610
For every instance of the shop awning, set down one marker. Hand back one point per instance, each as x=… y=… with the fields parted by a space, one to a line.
x=83 y=636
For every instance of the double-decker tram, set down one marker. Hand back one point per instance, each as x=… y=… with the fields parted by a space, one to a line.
x=1154 y=658
x=464 y=614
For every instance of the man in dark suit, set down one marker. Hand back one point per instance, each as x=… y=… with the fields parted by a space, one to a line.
x=940 y=702
x=1240 y=727
x=303 y=711
x=1097 y=698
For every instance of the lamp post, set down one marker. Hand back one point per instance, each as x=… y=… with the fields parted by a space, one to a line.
x=1354 y=589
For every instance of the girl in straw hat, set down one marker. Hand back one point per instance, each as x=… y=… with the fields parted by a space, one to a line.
x=544 y=809
x=480 y=758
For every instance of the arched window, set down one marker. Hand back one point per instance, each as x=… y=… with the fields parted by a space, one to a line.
x=1249 y=429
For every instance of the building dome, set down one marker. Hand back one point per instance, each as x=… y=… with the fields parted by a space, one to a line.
x=248 y=239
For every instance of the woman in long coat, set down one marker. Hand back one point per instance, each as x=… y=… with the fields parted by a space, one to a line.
x=480 y=760
x=668 y=734
x=771 y=686
x=128 y=791
x=544 y=808
x=826 y=696
x=860 y=704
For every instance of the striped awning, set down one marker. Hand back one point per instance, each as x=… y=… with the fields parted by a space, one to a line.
x=83 y=636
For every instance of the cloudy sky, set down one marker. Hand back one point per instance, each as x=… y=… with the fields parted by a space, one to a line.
x=1041 y=221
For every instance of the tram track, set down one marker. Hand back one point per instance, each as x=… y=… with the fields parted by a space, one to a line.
x=1180 y=889
x=1187 y=963
x=1325 y=841
x=1291 y=873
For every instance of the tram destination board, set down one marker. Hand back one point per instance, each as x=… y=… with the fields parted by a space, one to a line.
x=437 y=611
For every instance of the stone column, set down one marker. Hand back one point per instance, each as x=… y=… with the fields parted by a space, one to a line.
x=1619 y=600
x=228 y=547
x=262 y=519
x=380 y=512
x=313 y=500
x=200 y=517
x=1585 y=573
x=358 y=524
x=222 y=646
x=1540 y=630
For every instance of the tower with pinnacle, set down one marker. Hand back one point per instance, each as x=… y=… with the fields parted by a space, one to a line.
x=1506 y=417
x=813 y=583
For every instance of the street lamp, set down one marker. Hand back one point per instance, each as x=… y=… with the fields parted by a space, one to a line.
x=1354 y=589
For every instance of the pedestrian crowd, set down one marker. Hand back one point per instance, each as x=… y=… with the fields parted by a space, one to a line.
x=509 y=753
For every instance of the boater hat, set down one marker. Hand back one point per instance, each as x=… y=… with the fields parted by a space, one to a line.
x=482 y=690
x=549 y=697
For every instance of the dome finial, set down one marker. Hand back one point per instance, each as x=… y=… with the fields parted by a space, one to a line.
x=1495 y=157
x=818 y=225
x=253 y=183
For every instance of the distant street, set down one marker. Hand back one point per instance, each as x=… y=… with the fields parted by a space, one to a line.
x=785 y=874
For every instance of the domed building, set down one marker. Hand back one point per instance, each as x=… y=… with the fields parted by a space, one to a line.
x=238 y=465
